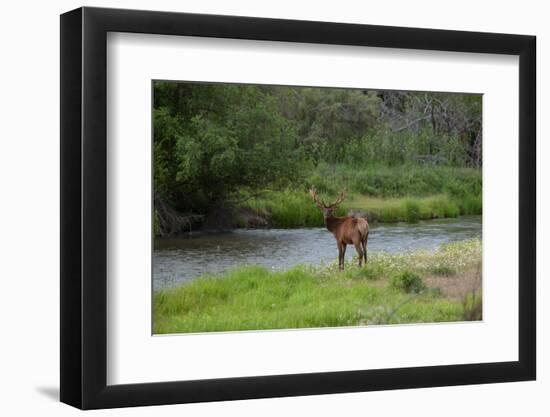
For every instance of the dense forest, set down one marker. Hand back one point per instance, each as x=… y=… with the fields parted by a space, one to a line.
x=244 y=155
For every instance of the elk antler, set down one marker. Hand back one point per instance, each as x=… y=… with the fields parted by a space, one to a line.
x=317 y=200
x=339 y=200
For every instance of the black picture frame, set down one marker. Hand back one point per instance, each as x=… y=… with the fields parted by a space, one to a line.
x=84 y=207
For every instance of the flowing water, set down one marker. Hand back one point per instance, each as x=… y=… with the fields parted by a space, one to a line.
x=176 y=261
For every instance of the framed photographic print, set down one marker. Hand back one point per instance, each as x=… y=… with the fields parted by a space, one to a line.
x=257 y=208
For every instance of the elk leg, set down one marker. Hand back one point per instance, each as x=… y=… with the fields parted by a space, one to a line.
x=365 y=247
x=341 y=255
x=344 y=246
x=359 y=250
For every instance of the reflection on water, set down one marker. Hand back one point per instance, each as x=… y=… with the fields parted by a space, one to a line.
x=180 y=260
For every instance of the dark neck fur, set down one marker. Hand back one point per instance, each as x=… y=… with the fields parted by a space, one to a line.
x=332 y=223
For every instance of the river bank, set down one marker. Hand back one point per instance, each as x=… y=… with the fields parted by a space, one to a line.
x=383 y=194
x=182 y=259
x=407 y=193
x=290 y=209
x=417 y=287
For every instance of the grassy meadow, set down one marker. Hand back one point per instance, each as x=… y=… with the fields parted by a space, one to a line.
x=415 y=287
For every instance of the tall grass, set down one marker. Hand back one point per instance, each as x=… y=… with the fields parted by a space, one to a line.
x=253 y=298
x=292 y=208
x=289 y=208
x=386 y=194
x=396 y=181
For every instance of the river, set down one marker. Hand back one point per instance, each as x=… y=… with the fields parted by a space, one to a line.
x=179 y=260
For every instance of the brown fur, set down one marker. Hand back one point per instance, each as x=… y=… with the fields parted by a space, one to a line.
x=346 y=230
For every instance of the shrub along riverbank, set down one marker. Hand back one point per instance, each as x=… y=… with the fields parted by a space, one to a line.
x=439 y=286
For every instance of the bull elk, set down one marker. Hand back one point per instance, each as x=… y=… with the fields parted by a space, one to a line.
x=346 y=230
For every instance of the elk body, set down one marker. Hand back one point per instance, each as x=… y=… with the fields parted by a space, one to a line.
x=346 y=230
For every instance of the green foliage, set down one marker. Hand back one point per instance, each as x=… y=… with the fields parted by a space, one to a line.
x=384 y=146
x=406 y=180
x=328 y=119
x=407 y=281
x=237 y=139
x=156 y=223
x=167 y=130
x=215 y=144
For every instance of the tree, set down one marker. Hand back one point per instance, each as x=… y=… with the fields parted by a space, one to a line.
x=212 y=142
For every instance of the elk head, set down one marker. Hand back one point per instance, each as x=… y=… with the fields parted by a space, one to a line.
x=327 y=209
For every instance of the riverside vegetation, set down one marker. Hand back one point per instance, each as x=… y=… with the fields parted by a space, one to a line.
x=385 y=194
x=229 y=156
x=439 y=286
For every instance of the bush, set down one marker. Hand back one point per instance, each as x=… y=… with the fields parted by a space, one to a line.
x=407 y=281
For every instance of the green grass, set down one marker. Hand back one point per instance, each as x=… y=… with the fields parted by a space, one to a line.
x=287 y=209
x=406 y=209
x=253 y=298
x=397 y=181
x=387 y=194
